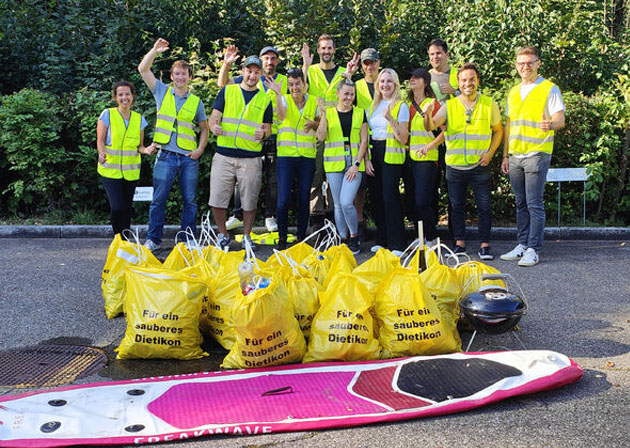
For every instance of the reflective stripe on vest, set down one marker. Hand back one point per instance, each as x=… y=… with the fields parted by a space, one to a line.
x=169 y=120
x=364 y=97
x=525 y=117
x=282 y=79
x=239 y=121
x=293 y=140
x=395 y=152
x=123 y=159
x=418 y=137
x=334 y=147
x=465 y=143
x=319 y=87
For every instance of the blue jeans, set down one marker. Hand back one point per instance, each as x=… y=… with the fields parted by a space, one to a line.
x=343 y=193
x=167 y=166
x=289 y=169
x=528 y=177
x=479 y=180
x=425 y=179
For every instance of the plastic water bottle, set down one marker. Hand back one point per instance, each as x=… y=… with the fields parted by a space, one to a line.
x=246 y=277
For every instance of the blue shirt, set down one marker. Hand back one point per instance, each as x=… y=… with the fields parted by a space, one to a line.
x=159 y=92
x=105 y=119
x=219 y=104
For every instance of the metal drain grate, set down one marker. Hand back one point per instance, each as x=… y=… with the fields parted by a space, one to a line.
x=49 y=365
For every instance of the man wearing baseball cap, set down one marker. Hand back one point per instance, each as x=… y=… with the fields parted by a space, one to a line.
x=241 y=119
x=370 y=64
x=270 y=58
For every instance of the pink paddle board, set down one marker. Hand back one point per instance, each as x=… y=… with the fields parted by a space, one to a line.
x=287 y=398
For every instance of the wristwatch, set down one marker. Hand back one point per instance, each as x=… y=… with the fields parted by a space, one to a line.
x=551 y=125
x=357 y=164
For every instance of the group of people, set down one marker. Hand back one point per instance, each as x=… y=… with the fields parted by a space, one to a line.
x=335 y=139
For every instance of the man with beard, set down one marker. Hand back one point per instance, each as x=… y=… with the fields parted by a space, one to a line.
x=241 y=119
x=270 y=59
x=323 y=79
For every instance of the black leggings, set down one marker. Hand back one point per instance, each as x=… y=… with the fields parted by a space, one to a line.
x=120 y=195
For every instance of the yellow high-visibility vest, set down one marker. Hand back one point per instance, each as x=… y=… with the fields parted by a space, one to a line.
x=240 y=121
x=123 y=159
x=364 y=97
x=293 y=140
x=418 y=137
x=168 y=118
x=319 y=86
x=395 y=152
x=282 y=79
x=465 y=143
x=525 y=117
x=334 y=147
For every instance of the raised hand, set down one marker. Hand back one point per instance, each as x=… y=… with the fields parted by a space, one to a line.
x=307 y=57
x=545 y=124
x=353 y=64
x=275 y=86
x=230 y=54
x=160 y=45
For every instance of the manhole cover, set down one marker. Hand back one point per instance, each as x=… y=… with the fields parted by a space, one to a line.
x=49 y=365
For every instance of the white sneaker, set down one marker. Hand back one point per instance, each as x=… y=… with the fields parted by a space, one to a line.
x=151 y=245
x=233 y=222
x=514 y=254
x=271 y=224
x=375 y=248
x=530 y=258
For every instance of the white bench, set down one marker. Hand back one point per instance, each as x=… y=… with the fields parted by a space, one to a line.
x=143 y=194
x=569 y=175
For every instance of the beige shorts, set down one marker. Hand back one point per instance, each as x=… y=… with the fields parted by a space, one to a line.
x=226 y=172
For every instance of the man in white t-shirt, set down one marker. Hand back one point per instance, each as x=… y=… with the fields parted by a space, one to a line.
x=534 y=112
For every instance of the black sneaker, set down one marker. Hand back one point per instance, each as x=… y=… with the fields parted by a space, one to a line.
x=485 y=253
x=353 y=245
x=457 y=250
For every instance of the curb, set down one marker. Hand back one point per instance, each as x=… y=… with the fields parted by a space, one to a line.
x=498 y=233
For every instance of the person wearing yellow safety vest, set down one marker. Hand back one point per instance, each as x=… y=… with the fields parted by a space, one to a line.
x=423 y=150
x=323 y=79
x=241 y=119
x=178 y=111
x=299 y=116
x=370 y=64
x=270 y=59
x=344 y=130
x=120 y=141
x=473 y=134
x=535 y=111
x=388 y=117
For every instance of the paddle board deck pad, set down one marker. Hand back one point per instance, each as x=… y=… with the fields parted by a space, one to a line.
x=286 y=398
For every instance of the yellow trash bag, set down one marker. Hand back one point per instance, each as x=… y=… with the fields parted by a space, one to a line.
x=409 y=320
x=467 y=274
x=267 y=333
x=342 y=261
x=442 y=283
x=201 y=270
x=298 y=253
x=213 y=256
x=162 y=309
x=179 y=258
x=224 y=288
x=121 y=253
x=343 y=329
x=371 y=272
x=318 y=265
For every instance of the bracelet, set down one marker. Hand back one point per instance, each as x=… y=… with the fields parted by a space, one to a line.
x=506 y=157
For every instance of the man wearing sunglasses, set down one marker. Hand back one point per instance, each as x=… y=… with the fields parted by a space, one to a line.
x=534 y=112
x=473 y=134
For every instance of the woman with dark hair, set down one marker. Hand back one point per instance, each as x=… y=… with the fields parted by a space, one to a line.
x=423 y=149
x=345 y=131
x=297 y=113
x=120 y=141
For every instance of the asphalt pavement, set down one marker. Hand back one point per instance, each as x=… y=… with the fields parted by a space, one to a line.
x=579 y=305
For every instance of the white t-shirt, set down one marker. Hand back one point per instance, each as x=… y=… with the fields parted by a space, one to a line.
x=554 y=100
x=378 y=123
